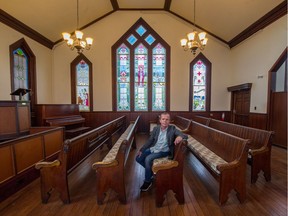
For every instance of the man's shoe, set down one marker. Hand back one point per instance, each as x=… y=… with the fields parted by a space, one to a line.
x=146 y=186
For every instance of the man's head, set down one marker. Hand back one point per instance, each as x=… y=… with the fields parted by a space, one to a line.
x=164 y=120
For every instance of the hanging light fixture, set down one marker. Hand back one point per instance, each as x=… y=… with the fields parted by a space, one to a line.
x=76 y=41
x=194 y=39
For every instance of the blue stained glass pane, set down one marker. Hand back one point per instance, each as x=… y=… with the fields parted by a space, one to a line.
x=131 y=39
x=141 y=30
x=150 y=39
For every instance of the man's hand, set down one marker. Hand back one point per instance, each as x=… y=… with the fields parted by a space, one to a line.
x=139 y=153
x=178 y=140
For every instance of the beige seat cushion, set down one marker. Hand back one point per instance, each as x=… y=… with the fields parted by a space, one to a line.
x=114 y=150
x=207 y=156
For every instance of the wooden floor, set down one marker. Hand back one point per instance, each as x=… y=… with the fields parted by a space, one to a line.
x=200 y=188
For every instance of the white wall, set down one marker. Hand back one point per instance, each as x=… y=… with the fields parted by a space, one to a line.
x=255 y=57
x=242 y=64
x=107 y=31
x=43 y=65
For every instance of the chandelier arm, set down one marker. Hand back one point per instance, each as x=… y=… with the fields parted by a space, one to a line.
x=78 y=14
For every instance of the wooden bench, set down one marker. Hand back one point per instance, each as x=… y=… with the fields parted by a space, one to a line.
x=169 y=174
x=110 y=172
x=224 y=156
x=179 y=122
x=54 y=175
x=259 y=154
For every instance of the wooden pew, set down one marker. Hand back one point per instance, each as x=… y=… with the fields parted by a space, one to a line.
x=169 y=175
x=66 y=115
x=224 y=156
x=110 y=172
x=259 y=155
x=54 y=175
x=19 y=156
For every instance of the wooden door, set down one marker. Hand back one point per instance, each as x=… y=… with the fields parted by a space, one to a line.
x=241 y=107
x=278 y=101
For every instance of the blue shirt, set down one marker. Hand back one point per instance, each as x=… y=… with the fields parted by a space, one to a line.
x=161 y=144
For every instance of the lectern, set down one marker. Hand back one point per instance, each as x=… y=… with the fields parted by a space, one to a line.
x=20 y=92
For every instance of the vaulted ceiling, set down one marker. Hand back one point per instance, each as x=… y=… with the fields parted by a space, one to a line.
x=229 y=21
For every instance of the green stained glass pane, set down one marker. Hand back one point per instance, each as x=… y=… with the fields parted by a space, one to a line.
x=82 y=86
x=141 y=97
x=20 y=71
x=199 y=96
x=123 y=97
x=158 y=97
x=140 y=30
x=159 y=78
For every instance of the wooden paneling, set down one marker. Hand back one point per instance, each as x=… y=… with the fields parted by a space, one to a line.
x=95 y=119
x=18 y=157
x=8 y=119
x=15 y=119
x=24 y=118
x=28 y=152
x=53 y=143
x=258 y=120
x=6 y=163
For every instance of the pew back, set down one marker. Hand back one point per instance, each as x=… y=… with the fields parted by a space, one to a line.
x=54 y=175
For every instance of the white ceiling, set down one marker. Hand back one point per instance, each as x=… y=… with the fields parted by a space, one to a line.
x=223 y=18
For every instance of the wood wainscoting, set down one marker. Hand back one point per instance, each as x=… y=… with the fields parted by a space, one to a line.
x=95 y=119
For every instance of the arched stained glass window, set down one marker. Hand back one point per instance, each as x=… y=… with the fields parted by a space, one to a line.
x=159 y=78
x=200 y=84
x=82 y=86
x=123 y=78
x=140 y=78
x=20 y=71
x=140 y=70
x=81 y=83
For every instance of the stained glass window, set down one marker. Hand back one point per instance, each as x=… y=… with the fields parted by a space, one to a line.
x=82 y=86
x=140 y=70
x=140 y=78
x=123 y=78
x=20 y=71
x=159 y=78
x=199 y=86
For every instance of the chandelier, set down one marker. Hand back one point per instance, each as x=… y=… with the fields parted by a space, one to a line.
x=76 y=41
x=194 y=39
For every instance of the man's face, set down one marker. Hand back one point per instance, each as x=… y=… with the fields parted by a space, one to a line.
x=164 y=121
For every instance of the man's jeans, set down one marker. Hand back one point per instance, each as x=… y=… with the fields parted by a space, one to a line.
x=146 y=160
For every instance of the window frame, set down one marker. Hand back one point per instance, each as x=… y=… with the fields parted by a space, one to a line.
x=208 y=65
x=73 y=65
x=140 y=39
x=22 y=44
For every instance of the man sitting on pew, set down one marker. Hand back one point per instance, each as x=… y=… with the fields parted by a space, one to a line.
x=160 y=144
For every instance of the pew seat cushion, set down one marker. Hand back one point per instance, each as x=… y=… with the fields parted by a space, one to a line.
x=110 y=157
x=162 y=164
x=208 y=156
